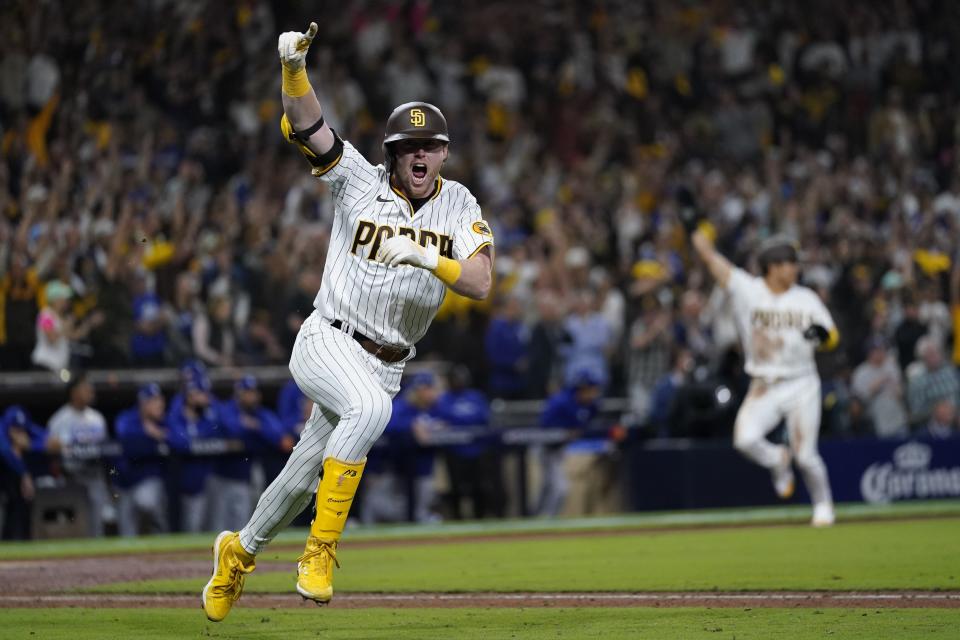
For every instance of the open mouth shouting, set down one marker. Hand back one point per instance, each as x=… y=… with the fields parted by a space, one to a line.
x=418 y=163
x=418 y=171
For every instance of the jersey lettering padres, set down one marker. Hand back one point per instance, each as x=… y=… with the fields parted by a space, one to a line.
x=391 y=305
x=771 y=326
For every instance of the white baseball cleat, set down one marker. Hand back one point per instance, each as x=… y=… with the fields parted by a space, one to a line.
x=823 y=515
x=783 y=480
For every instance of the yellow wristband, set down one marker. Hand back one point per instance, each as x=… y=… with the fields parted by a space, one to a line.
x=447 y=270
x=295 y=83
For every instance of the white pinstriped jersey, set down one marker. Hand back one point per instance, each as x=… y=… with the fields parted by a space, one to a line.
x=771 y=326
x=392 y=306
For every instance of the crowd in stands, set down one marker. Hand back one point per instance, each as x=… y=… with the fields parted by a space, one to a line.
x=151 y=211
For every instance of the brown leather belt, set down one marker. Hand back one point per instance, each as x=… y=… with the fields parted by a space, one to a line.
x=383 y=352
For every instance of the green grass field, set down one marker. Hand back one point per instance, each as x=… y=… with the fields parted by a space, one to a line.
x=872 y=548
x=921 y=554
x=483 y=624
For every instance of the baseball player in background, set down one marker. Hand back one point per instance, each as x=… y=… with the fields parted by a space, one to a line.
x=780 y=326
x=401 y=235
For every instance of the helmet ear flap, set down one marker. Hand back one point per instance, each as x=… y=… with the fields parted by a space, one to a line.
x=387 y=156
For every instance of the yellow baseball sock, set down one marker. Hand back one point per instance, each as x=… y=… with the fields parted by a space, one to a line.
x=334 y=497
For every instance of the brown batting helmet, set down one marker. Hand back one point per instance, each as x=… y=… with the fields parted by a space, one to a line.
x=777 y=249
x=413 y=120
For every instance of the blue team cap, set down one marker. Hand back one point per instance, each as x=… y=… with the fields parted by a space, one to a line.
x=585 y=378
x=246 y=383
x=422 y=379
x=197 y=383
x=15 y=416
x=149 y=390
x=192 y=369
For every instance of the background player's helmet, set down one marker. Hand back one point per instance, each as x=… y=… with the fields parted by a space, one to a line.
x=776 y=249
x=413 y=120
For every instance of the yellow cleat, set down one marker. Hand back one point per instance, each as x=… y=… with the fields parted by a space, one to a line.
x=231 y=563
x=315 y=570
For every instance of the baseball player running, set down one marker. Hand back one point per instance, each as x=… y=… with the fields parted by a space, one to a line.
x=401 y=235
x=780 y=325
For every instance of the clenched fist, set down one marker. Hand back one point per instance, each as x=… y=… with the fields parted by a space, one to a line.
x=402 y=250
x=292 y=47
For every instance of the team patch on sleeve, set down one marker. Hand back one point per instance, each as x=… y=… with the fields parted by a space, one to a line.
x=482 y=228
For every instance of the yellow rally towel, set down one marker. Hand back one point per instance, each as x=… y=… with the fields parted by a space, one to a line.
x=931 y=262
x=37 y=131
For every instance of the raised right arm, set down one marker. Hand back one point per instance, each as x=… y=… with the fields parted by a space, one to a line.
x=719 y=267
x=302 y=122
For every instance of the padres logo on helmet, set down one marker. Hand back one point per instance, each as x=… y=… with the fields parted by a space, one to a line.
x=413 y=120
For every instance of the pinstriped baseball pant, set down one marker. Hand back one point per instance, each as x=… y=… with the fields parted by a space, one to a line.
x=798 y=401
x=352 y=392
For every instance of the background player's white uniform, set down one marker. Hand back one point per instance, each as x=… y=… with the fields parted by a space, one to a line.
x=785 y=383
x=351 y=388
